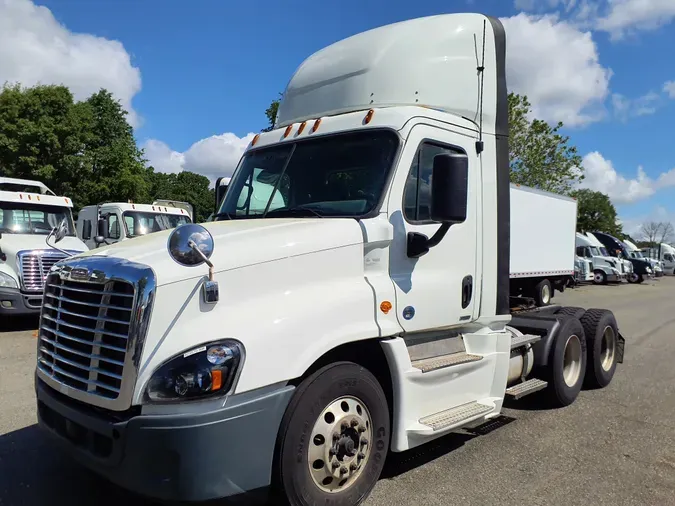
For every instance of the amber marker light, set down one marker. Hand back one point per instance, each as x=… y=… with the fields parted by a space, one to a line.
x=369 y=116
x=315 y=127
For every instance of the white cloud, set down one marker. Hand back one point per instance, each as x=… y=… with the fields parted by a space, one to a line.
x=213 y=157
x=602 y=176
x=627 y=16
x=659 y=214
x=669 y=89
x=36 y=49
x=644 y=105
x=557 y=66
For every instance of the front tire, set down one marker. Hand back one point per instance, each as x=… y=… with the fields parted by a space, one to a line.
x=602 y=334
x=600 y=278
x=333 y=438
x=567 y=365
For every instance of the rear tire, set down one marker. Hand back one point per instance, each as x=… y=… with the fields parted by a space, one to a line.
x=567 y=364
x=311 y=467
x=602 y=335
x=576 y=312
x=543 y=293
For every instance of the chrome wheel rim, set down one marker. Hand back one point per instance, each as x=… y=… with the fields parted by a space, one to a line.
x=608 y=348
x=572 y=360
x=545 y=294
x=598 y=278
x=340 y=444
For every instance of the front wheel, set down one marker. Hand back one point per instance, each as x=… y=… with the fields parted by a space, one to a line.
x=333 y=439
x=600 y=278
x=543 y=293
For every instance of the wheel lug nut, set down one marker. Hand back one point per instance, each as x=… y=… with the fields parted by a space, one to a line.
x=352 y=466
x=362 y=428
x=344 y=425
x=331 y=451
x=343 y=470
x=335 y=465
x=336 y=436
x=355 y=423
x=364 y=441
x=362 y=455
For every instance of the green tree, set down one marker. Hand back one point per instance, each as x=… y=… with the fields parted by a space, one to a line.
x=595 y=212
x=271 y=113
x=540 y=157
x=185 y=187
x=85 y=150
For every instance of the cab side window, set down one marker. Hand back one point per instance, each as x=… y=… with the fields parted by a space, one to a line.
x=113 y=227
x=417 y=193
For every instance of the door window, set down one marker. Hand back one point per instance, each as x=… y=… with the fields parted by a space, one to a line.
x=417 y=193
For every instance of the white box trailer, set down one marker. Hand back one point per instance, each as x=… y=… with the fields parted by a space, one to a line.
x=543 y=228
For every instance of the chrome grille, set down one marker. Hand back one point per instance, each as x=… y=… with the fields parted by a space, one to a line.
x=84 y=333
x=34 y=267
x=94 y=318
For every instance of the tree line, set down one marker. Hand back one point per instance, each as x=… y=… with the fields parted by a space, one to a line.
x=87 y=151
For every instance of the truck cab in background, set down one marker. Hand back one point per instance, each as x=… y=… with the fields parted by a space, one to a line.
x=665 y=253
x=119 y=221
x=350 y=299
x=623 y=264
x=618 y=249
x=29 y=211
x=604 y=269
x=634 y=252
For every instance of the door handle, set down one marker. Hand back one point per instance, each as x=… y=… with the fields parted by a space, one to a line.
x=467 y=290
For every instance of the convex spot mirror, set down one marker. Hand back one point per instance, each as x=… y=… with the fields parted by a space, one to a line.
x=449 y=188
x=60 y=231
x=183 y=241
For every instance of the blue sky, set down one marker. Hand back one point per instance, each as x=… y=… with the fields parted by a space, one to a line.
x=198 y=76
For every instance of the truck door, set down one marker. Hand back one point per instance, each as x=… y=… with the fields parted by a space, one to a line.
x=440 y=288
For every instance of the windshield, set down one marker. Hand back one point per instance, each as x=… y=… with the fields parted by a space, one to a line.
x=19 y=218
x=595 y=251
x=604 y=252
x=140 y=223
x=339 y=175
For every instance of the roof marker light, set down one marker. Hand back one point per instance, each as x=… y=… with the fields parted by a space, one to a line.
x=288 y=130
x=315 y=127
x=29 y=198
x=255 y=139
x=369 y=116
x=302 y=127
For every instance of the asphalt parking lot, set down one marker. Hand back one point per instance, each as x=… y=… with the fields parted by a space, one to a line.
x=614 y=446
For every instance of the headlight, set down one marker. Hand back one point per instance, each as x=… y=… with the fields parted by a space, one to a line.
x=7 y=281
x=206 y=371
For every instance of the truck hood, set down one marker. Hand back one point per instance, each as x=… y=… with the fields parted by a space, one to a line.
x=239 y=243
x=12 y=243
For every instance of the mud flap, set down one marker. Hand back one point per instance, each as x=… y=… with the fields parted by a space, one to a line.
x=620 y=345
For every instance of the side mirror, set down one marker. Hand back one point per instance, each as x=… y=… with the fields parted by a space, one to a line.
x=60 y=231
x=449 y=196
x=86 y=230
x=449 y=188
x=101 y=231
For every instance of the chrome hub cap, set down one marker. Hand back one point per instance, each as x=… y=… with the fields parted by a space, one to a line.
x=598 y=278
x=608 y=348
x=572 y=360
x=545 y=294
x=340 y=446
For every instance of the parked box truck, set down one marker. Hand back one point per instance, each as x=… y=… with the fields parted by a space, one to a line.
x=543 y=228
x=363 y=309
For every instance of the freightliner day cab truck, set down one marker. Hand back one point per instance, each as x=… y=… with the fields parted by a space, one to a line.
x=618 y=249
x=119 y=221
x=28 y=212
x=290 y=345
x=623 y=264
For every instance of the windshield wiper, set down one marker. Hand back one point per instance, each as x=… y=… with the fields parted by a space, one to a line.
x=295 y=211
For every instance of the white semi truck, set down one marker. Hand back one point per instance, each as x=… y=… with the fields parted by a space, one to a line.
x=605 y=269
x=289 y=347
x=119 y=221
x=29 y=211
x=542 y=256
x=665 y=253
x=623 y=264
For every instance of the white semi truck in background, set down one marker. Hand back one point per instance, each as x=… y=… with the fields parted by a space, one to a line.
x=290 y=345
x=542 y=257
x=623 y=264
x=113 y=222
x=604 y=269
x=29 y=211
x=665 y=253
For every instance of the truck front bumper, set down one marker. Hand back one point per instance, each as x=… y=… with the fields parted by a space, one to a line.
x=185 y=457
x=12 y=301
